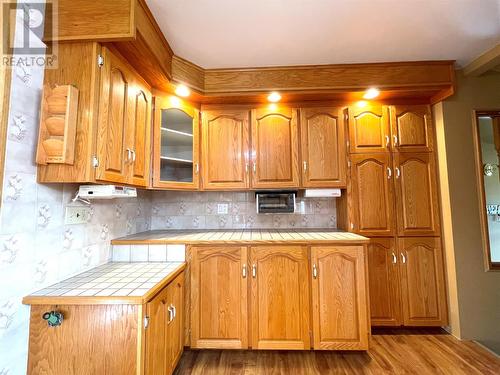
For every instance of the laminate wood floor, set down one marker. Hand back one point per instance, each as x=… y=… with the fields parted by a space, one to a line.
x=392 y=352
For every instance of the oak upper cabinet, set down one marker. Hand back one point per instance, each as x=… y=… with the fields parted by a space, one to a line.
x=123 y=139
x=164 y=339
x=225 y=149
x=417 y=203
x=369 y=129
x=423 y=285
x=275 y=151
x=411 y=128
x=384 y=281
x=323 y=147
x=176 y=145
x=372 y=194
x=219 y=288
x=339 y=298
x=280 y=298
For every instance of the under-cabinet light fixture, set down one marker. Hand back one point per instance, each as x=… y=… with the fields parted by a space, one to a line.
x=274 y=97
x=371 y=93
x=182 y=91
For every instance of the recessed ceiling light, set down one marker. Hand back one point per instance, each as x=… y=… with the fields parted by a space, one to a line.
x=274 y=97
x=371 y=93
x=183 y=91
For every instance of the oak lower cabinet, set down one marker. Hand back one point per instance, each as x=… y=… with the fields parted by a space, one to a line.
x=260 y=297
x=219 y=288
x=280 y=297
x=339 y=298
x=407 y=285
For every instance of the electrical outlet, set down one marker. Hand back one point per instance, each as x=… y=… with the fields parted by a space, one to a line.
x=222 y=208
x=77 y=215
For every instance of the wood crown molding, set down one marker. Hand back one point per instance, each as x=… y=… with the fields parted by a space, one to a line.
x=490 y=60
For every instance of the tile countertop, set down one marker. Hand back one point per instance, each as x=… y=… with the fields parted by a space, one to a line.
x=111 y=283
x=243 y=236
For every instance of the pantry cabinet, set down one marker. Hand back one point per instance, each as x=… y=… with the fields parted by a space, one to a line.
x=176 y=144
x=369 y=129
x=372 y=194
x=275 y=148
x=123 y=130
x=219 y=288
x=226 y=149
x=164 y=330
x=323 y=147
x=339 y=298
x=411 y=128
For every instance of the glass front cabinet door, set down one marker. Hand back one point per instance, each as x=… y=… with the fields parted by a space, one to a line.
x=176 y=138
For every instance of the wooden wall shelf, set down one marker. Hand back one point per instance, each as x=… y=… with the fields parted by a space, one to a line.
x=56 y=138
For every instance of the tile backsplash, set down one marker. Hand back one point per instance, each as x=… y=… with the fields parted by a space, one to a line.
x=199 y=210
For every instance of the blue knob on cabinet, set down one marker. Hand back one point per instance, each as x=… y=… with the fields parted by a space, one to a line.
x=53 y=318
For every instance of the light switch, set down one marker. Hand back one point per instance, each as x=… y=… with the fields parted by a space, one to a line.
x=222 y=208
x=77 y=215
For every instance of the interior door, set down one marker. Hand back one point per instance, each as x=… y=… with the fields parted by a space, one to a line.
x=176 y=145
x=372 y=194
x=156 y=335
x=275 y=148
x=369 y=128
x=323 y=147
x=384 y=281
x=339 y=298
x=113 y=158
x=411 y=128
x=416 y=194
x=139 y=131
x=280 y=298
x=175 y=325
x=219 y=288
x=423 y=289
x=225 y=149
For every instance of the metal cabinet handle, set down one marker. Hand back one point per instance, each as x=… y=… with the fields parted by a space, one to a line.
x=389 y=173
x=315 y=271
x=305 y=165
x=244 y=271
x=174 y=309
x=246 y=168
x=254 y=271
x=196 y=168
x=254 y=167
x=170 y=314
x=403 y=258
x=398 y=172
x=387 y=140
x=129 y=155
x=395 y=137
x=394 y=258
x=133 y=155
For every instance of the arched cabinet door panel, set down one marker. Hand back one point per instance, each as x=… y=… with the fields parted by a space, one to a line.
x=225 y=149
x=372 y=194
x=416 y=194
x=275 y=148
x=323 y=147
x=383 y=270
x=411 y=128
x=423 y=285
x=369 y=129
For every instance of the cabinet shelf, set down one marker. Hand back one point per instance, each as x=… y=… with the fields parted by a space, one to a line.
x=177 y=132
x=178 y=160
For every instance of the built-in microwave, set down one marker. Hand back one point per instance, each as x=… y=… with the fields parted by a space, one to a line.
x=275 y=202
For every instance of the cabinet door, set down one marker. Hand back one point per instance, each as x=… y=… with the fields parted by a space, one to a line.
x=275 y=148
x=225 y=149
x=175 y=325
x=219 y=288
x=280 y=298
x=416 y=194
x=339 y=298
x=176 y=145
x=323 y=147
x=383 y=270
x=139 y=133
x=372 y=194
x=112 y=155
x=411 y=128
x=369 y=129
x=423 y=289
x=156 y=335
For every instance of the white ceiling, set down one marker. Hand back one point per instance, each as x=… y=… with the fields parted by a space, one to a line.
x=239 y=33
